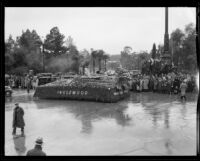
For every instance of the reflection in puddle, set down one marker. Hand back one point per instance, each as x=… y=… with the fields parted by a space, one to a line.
x=88 y=112
x=19 y=143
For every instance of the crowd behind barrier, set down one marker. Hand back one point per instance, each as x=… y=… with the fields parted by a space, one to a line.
x=164 y=83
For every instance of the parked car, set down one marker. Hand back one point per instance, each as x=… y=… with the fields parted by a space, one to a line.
x=8 y=91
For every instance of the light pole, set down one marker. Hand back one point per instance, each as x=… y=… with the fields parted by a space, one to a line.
x=43 y=58
x=179 y=61
x=172 y=59
x=42 y=50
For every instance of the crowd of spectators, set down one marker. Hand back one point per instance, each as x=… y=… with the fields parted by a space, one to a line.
x=163 y=83
x=21 y=82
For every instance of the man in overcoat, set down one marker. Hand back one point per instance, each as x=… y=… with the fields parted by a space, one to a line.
x=18 y=120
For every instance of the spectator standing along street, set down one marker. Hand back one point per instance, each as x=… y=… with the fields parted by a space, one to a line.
x=18 y=120
x=145 y=85
x=141 y=84
x=28 y=84
x=155 y=84
x=183 y=87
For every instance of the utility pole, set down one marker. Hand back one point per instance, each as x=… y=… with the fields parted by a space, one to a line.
x=172 y=50
x=43 y=67
x=43 y=56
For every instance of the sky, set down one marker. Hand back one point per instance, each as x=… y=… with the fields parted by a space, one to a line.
x=107 y=28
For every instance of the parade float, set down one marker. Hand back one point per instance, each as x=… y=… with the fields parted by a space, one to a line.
x=93 y=88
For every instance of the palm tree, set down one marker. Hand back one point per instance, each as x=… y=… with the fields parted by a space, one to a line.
x=105 y=58
x=100 y=54
x=81 y=62
x=127 y=49
x=94 y=56
x=84 y=59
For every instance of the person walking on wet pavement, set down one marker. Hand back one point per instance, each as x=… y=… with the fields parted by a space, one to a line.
x=37 y=151
x=28 y=84
x=183 y=88
x=18 y=120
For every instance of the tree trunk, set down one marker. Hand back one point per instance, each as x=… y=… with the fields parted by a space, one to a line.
x=93 y=66
x=105 y=64
x=83 y=70
x=99 y=65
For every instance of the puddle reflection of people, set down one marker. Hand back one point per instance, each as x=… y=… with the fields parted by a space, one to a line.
x=183 y=110
x=168 y=146
x=86 y=125
x=19 y=142
x=121 y=118
x=166 y=118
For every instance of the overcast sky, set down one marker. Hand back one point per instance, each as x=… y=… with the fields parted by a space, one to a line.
x=109 y=29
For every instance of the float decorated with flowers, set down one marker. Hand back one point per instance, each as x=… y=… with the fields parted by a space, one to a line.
x=99 y=88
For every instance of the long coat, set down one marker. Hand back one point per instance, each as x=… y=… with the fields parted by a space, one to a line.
x=18 y=120
x=155 y=84
x=146 y=83
x=151 y=84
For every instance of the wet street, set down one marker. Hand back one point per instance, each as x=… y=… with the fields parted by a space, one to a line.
x=143 y=124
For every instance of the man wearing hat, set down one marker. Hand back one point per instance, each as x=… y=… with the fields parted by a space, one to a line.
x=37 y=151
x=18 y=120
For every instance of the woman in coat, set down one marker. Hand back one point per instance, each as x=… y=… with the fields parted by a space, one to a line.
x=141 y=84
x=155 y=84
x=151 y=83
